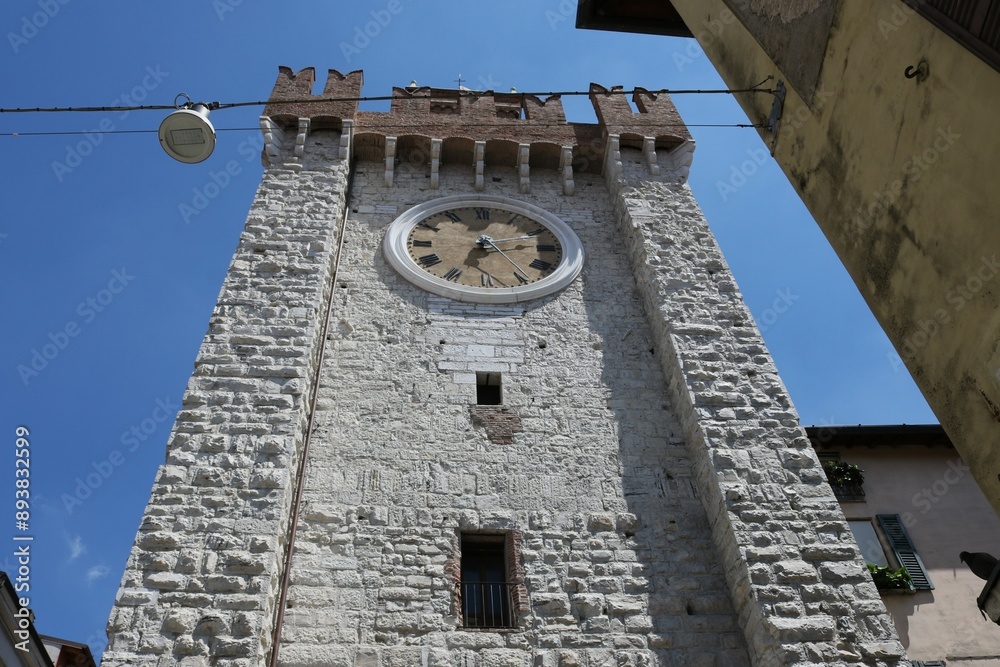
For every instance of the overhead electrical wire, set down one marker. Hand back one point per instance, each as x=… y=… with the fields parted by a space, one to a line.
x=414 y=125
x=382 y=98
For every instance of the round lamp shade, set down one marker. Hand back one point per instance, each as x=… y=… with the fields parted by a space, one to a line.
x=187 y=135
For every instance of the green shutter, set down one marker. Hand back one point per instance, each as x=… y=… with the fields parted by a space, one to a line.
x=906 y=554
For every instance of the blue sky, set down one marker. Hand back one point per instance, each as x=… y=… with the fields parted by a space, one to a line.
x=111 y=284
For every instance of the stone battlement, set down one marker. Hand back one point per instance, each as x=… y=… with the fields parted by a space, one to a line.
x=427 y=125
x=451 y=113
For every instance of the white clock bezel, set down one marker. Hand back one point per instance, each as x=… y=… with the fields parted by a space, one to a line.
x=397 y=253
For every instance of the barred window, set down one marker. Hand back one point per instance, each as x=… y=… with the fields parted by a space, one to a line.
x=491 y=586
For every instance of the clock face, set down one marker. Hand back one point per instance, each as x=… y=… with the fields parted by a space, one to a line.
x=484 y=249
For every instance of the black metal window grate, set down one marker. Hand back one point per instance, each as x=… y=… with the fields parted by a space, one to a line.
x=487 y=605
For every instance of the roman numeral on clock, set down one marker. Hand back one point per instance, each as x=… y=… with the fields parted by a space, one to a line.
x=452 y=274
x=523 y=279
x=429 y=260
x=451 y=215
x=417 y=243
x=536 y=232
x=541 y=247
x=426 y=226
x=482 y=214
x=512 y=219
x=541 y=265
x=487 y=280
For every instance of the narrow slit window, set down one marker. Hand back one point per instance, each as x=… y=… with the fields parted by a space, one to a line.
x=488 y=389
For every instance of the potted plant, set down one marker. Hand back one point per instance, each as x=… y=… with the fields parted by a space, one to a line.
x=887 y=579
x=846 y=479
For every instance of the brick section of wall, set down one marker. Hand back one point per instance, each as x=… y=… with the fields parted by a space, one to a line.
x=199 y=588
x=801 y=589
x=298 y=86
x=658 y=115
x=515 y=569
x=499 y=422
x=472 y=115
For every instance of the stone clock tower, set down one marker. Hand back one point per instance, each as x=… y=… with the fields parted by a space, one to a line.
x=480 y=391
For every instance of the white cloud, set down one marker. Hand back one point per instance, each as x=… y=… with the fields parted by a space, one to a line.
x=96 y=572
x=76 y=547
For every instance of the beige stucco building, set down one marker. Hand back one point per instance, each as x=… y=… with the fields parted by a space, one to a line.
x=912 y=474
x=887 y=133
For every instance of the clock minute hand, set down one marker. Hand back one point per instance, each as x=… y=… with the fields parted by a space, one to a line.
x=486 y=240
x=513 y=238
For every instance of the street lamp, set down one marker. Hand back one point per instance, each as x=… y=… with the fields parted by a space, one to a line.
x=186 y=134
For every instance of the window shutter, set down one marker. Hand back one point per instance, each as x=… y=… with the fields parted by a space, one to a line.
x=906 y=554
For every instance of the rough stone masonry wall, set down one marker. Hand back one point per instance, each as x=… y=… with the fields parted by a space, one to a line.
x=619 y=565
x=800 y=587
x=200 y=584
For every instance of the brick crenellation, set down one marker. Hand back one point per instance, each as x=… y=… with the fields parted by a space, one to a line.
x=474 y=115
